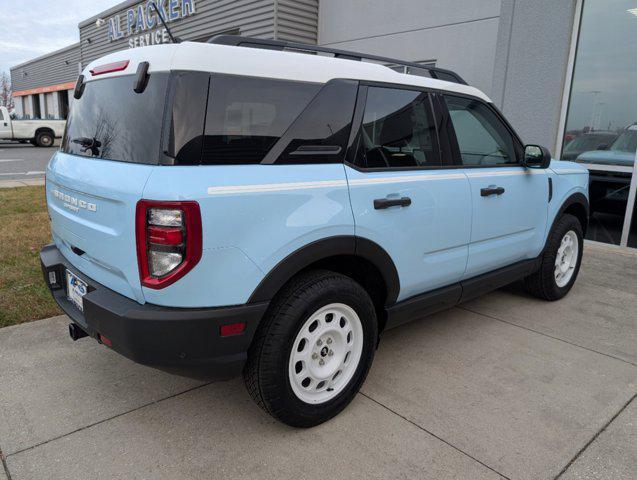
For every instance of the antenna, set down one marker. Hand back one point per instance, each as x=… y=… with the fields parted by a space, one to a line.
x=163 y=22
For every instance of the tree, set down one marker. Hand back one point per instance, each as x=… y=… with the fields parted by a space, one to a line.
x=6 y=97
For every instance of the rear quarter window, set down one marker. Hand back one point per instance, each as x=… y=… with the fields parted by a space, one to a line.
x=246 y=116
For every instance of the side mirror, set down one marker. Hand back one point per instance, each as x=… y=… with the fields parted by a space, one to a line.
x=536 y=156
x=602 y=146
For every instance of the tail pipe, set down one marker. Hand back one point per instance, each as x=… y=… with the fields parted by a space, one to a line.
x=76 y=332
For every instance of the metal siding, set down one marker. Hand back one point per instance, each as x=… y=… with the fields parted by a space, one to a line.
x=47 y=70
x=254 y=18
x=297 y=20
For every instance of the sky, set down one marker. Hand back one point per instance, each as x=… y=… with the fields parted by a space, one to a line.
x=30 y=28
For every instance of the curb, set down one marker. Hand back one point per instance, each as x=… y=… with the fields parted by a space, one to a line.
x=30 y=182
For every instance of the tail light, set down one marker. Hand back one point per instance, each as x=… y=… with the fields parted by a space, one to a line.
x=169 y=241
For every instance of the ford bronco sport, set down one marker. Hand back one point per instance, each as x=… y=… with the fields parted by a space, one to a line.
x=244 y=206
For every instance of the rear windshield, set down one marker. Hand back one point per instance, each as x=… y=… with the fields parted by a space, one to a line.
x=113 y=122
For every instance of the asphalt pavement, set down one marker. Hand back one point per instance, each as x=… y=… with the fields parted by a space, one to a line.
x=23 y=161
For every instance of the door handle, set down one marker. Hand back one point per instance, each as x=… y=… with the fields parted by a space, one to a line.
x=382 y=203
x=485 y=192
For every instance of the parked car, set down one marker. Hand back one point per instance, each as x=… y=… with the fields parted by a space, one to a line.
x=621 y=152
x=232 y=209
x=609 y=190
x=41 y=133
x=586 y=142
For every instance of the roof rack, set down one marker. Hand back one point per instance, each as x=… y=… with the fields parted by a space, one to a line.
x=239 y=41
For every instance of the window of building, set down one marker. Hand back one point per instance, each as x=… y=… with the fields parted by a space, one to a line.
x=601 y=116
x=246 y=116
x=398 y=130
x=482 y=137
x=36 y=106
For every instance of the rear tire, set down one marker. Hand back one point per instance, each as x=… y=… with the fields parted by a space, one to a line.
x=560 y=262
x=313 y=349
x=44 y=139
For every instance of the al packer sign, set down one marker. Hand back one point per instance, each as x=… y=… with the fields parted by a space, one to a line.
x=142 y=26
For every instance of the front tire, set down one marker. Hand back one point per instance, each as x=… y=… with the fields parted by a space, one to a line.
x=313 y=349
x=560 y=262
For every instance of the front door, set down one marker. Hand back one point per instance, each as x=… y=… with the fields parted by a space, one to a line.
x=510 y=202
x=401 y=197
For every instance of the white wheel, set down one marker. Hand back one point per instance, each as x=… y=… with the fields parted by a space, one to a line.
x=303 y=369
x=566 y=258
x=325 y=353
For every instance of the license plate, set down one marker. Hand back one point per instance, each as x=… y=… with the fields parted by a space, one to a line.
x=75 y=290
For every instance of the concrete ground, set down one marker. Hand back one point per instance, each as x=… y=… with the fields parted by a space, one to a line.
x=23 y=162
x=506 y=386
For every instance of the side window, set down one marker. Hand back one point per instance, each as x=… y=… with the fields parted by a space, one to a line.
x=482 y=138
x=184 y=137
x=1 y=116
x=397 y=131
x=246 y=116
x=321 y=132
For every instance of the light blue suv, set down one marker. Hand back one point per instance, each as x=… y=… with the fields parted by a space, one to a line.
x=239 y=207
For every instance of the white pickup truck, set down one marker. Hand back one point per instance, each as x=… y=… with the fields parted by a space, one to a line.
x=41 y=133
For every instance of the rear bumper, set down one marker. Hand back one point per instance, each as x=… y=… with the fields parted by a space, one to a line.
x=185 y=341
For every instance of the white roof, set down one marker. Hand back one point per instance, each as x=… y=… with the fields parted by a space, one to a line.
x=208 y=57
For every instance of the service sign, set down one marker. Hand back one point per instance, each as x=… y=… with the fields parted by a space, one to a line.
x=142 y=26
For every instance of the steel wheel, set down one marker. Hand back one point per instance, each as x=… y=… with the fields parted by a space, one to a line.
x=566 y=258
x=325 y=353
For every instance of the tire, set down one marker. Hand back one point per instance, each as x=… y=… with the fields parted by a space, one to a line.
x=44 y=139
x=286 y=351
x=547 y=282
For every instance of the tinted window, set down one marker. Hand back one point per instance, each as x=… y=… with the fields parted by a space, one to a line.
x=187 y=116
x=111 y=121
x=1 y=115
x=482 y=138
x=247 y=116
x=398 y=130
x=320 y=133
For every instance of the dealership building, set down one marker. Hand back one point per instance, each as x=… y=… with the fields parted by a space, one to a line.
x=563 y=72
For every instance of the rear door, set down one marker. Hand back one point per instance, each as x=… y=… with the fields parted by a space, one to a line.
x=112 y=143
x=402 y=198
x=510 y=202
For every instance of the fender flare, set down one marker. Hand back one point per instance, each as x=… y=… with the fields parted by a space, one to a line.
x=323 y=249
x=575 y=198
